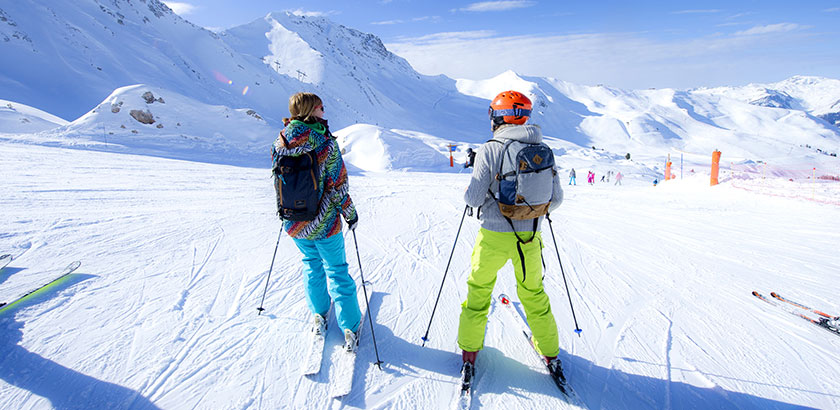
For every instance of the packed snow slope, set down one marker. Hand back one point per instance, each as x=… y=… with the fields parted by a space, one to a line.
x=175 y=257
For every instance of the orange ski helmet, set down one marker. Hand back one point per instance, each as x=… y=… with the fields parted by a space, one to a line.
x=512 y=106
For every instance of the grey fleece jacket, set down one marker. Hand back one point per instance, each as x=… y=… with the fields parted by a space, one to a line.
x=484 y=179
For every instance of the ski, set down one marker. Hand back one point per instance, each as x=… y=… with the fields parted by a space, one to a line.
x=559 y=378
x=68 y=270
x=345 y=365
x=315 y=354
x=801 y=306
x=4 y=260
x=467 y=385
x=822 y=322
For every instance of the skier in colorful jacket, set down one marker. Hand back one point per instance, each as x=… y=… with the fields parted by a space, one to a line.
x=496 y=242
x=325 y=269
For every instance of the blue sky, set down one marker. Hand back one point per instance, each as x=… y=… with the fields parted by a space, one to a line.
x=619 y=43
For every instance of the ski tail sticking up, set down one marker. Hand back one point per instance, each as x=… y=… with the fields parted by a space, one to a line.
x=67 y=271
x=4 y=260
x=555 y=370
x=828 y=324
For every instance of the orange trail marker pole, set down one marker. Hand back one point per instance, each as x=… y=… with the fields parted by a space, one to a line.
x=715 y=167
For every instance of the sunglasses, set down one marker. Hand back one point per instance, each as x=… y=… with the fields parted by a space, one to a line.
x=322 y=107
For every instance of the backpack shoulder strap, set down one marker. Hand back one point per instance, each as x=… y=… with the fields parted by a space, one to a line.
x=500 y=176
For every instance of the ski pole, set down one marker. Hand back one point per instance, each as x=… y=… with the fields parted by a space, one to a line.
x=426 y=337
x=367 y=302
x=260 y=309
x=578 y=330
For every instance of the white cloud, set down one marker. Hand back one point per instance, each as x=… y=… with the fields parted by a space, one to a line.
x=387 y=22
x=181 y=9
x=305 y=13
x=630 y=60
x=497 y=5
x=709 y=11
x=832 y=10
x=432 y=19
x=770 y=28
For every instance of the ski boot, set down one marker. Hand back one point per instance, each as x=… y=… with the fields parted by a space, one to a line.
x=319 y=325
x=351 y=340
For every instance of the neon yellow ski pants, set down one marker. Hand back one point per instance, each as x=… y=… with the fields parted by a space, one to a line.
x=491 y=252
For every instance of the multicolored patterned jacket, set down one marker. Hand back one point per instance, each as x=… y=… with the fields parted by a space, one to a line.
x=299 y=137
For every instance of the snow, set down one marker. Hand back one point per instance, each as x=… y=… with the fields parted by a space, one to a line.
x=19 y=118
x=175 y=256
x=174 y=223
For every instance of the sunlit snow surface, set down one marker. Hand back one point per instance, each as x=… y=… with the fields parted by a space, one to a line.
x=175 y=255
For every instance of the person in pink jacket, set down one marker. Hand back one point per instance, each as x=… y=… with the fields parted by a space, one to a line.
x=618 y=178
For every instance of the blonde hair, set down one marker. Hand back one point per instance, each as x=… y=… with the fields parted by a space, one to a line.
x=301 y=106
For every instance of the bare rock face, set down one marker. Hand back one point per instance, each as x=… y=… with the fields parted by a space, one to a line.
x=144 y=117
x=150 y=98
x=253 y=114
x=115 y=108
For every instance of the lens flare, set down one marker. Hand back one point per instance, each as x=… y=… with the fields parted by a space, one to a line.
x=221 y=77
x=245 y=90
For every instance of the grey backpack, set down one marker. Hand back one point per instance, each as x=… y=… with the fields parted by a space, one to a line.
x=526 y=180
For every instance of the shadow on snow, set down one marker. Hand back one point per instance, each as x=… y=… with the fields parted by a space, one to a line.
x=63 y=387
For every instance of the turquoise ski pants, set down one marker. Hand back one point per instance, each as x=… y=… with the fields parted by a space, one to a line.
x=324 y=260
x=491 y=252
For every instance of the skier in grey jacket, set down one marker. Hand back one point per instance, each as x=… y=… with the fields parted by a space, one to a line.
x=500 y=240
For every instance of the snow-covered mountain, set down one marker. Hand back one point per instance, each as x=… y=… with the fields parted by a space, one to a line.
x=108 y=44
x=817 y=96
x=23 y=119
x=652 y=122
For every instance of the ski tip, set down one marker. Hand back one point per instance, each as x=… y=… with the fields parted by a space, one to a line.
x=74 y=265
x=755 y=293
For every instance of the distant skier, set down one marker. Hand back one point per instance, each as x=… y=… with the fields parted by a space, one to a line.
x=470 y=158
x=655 y=181
x=602 y=177
x=502 y=237
x=609 y=173
x=572 y=177
x=590 y=178
x=320 y=239
x=618 y=178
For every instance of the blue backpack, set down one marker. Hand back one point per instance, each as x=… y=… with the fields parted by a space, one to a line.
x=296 y=185
x=526 y=180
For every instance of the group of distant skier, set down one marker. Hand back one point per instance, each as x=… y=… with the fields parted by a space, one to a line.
x=590 y=177
x=508 y=188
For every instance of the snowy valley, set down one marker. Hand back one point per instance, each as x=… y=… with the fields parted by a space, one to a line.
x=150 y=166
